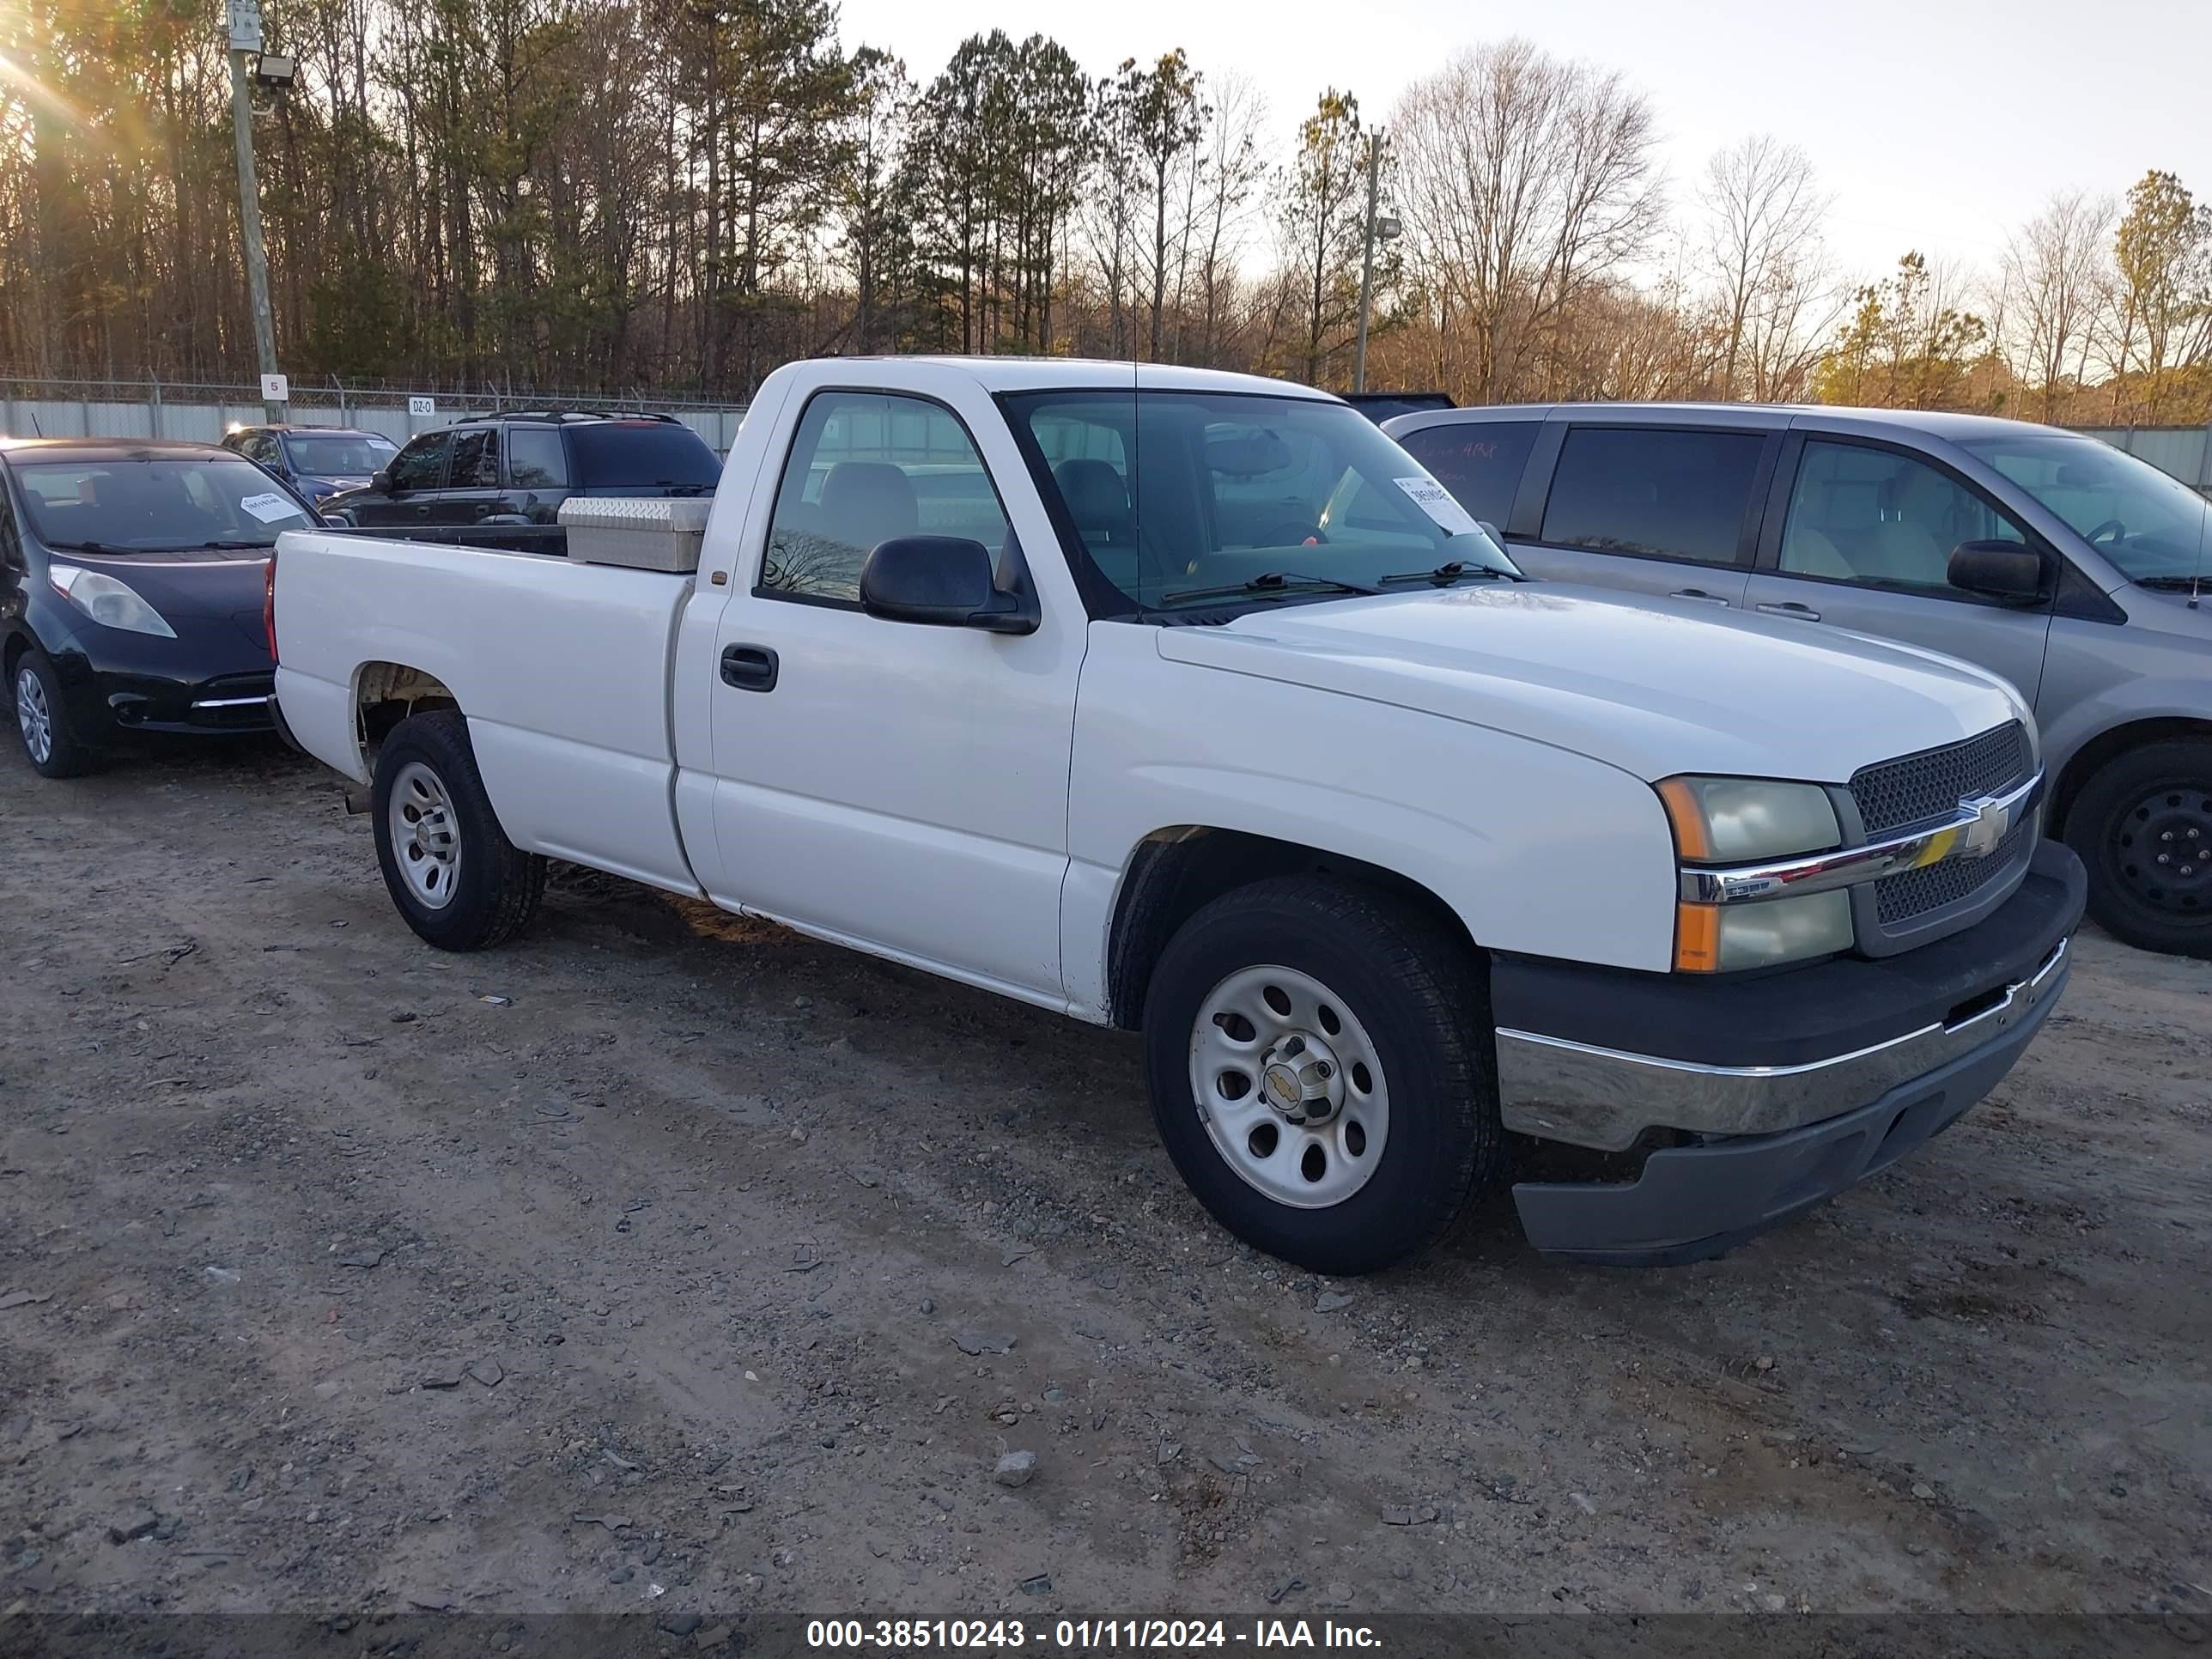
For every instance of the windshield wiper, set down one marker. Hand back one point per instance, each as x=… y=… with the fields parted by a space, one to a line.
x=2169 y=584
x=1457 y=570
x=1272 y=582
x=95 y=548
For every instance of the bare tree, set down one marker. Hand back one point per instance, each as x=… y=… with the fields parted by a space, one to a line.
x=1231 y=171
x=1764 y=209
x=1527 y=182
x=2055 y=278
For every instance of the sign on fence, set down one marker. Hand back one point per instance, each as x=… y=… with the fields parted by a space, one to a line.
x=275 y=388
x=421 y=405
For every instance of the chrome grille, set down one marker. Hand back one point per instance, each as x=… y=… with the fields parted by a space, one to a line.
x=1930 y=785
x=1900 y=898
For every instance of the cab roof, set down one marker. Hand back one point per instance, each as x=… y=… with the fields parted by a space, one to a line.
x=1010 y=373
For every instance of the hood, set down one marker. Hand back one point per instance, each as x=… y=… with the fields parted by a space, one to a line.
x=316 y=485
x=197 y=583
x=1655 y=688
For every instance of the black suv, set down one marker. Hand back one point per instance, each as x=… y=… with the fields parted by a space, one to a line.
x=518 y=468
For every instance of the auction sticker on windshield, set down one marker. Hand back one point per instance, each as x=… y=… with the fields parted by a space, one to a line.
x=271 y=507
x=1433 y=498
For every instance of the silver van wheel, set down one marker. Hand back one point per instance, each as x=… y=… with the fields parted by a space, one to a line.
x=1288 y=1083
x=425 y=835
x=35 y=718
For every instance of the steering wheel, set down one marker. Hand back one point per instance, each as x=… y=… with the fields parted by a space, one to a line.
x=2119 y=531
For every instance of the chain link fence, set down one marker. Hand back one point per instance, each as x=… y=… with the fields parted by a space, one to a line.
x=202 y=412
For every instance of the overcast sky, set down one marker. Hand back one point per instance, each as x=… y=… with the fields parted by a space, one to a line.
x=1935 y=123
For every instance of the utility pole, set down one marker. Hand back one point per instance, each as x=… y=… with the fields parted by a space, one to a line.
x=1367 y=260
x=245 y=42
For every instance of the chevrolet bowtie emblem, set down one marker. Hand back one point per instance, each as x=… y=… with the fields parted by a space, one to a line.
x=1992 y=820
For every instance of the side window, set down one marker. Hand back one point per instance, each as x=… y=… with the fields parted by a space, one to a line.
x=1660 y=492
x=1480 y=462
x=534 y=458
x=1881 y=518
x=475 y=460
x=422 y=464
x=866 y=467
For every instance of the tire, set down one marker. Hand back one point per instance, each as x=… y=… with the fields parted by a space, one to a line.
x=42 y=722
x=1378 y=987
x=451 y=870
x=2149 y=803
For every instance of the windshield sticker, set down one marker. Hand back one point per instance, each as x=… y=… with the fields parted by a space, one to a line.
x=271 y=506
x=1433 y=498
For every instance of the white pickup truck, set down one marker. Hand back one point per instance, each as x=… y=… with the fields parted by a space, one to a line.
x=1188 y=703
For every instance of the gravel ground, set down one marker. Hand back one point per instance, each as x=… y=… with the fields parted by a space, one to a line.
x=666 y=1260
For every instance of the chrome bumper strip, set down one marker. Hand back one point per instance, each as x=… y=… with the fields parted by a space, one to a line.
x=1588 y=1096
x=1974 y=832
x=235 y=702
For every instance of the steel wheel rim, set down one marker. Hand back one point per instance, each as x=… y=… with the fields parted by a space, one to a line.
x=426 y=839
x=1290 y=1087
x=34 y=717
x=2161 y=850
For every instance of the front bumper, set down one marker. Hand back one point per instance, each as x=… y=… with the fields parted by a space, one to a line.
x=1789 y=1088
x=194 y=687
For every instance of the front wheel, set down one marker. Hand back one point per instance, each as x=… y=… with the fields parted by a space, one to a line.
x=451 y=870
x=2143 y=825
x=42 y=722
x=1318 y=1060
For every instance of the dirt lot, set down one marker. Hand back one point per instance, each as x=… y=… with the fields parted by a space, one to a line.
x=667 y=1261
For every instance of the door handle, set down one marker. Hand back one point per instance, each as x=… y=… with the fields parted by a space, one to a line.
x=1791 y=608
x=749 y=667
x=1697 y=593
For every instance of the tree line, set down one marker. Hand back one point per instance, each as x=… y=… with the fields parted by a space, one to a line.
x=674 y=196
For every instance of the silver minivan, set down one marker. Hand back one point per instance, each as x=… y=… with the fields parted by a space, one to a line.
x=2054 y=559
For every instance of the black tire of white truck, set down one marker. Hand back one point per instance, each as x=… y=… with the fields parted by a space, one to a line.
x=1377 y=999
x=492 y=887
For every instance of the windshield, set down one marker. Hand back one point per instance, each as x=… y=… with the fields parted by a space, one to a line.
x=339 y=454
x=144 y=506
x=1177 y=495
x=641 y=455
x=2150 y=524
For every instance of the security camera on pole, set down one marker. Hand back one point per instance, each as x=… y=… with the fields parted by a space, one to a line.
x=246 y=43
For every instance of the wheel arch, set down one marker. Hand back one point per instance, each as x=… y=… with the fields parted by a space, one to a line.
x=386 y=693
x=2108 y=746
x=1176 y=870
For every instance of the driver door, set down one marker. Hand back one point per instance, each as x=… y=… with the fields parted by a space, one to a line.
x=895 y=785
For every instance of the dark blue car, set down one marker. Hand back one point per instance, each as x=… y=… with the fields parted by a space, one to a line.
x=317 y=461
x=132 y=582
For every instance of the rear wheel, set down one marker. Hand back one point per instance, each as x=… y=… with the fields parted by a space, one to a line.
x=2143 y=825
x=1318 y=1060
x=42 y=722
x=450 y=868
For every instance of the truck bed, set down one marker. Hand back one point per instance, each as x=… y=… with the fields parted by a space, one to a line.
x=562 y=668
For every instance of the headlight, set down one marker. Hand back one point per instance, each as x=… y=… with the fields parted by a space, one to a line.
x=1722 y=938
x=1733 y=820
x=1741 y=820
x=108 y=602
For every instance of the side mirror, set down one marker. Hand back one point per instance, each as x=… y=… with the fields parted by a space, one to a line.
x=381 y=481
x=945 y=580
x=1997 y=570
x=1490 y=530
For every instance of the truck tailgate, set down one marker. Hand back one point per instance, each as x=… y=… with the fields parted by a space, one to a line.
x=562 y=669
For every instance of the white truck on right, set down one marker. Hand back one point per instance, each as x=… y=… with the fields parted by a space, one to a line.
x=1191 y=703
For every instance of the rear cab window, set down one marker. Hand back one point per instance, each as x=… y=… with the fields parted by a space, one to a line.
x=1679 y=493
x=1480 y=462
x=640 y=455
